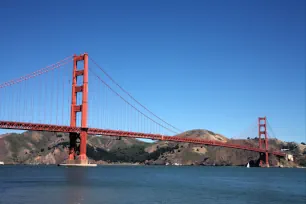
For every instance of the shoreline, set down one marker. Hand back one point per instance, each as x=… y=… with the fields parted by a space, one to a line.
x=135 y=164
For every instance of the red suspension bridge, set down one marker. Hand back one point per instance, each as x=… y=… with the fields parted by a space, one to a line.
x=44 y=100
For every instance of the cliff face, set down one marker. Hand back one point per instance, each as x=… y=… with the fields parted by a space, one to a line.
x=50 y=148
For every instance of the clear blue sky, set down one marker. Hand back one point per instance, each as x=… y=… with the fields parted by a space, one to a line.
x=215 y=65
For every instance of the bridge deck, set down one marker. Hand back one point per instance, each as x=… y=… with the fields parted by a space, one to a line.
x=118 y=133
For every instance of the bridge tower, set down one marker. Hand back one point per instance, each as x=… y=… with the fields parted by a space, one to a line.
x=262 y=132
x=77 y=149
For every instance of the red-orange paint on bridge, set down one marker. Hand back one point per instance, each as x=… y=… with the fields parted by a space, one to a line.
x=118 y=133
x=80 y=131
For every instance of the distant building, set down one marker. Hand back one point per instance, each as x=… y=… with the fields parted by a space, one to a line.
x=289 y=157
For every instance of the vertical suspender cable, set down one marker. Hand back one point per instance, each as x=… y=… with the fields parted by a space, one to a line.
x=63 y=98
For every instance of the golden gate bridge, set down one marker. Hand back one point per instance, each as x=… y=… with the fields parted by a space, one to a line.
x=57 y=99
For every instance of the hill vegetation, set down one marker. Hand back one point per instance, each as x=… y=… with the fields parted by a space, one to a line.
x=50 y=148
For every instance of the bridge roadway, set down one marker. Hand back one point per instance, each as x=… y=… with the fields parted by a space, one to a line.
x=119 y=133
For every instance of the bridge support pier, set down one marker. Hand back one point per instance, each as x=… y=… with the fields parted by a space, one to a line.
x=77 y=150
x=83 y=143
x=73 y=148
x=264 y=159
x=267 y=159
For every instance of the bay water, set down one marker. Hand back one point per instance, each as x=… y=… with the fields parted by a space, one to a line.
x=151 y=184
